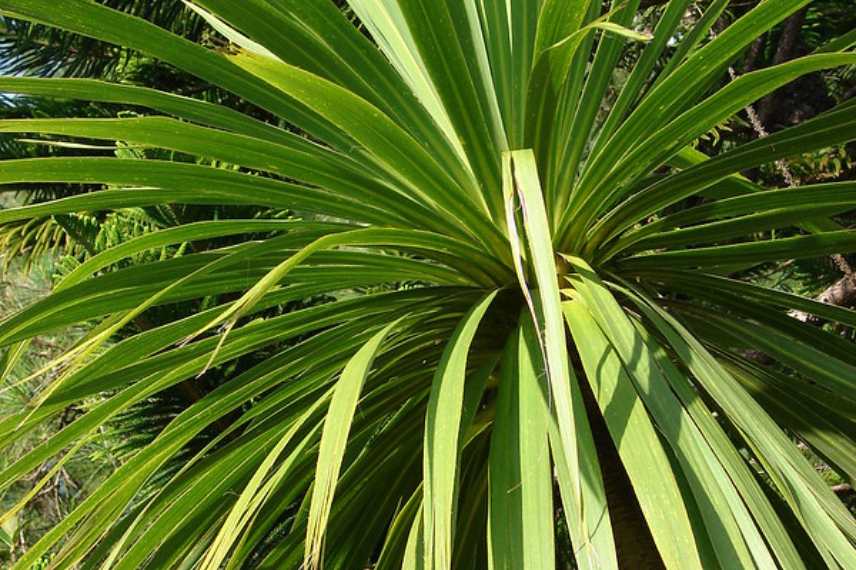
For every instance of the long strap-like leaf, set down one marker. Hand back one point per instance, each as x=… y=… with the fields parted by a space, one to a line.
x=442 y=429
x=334 y=439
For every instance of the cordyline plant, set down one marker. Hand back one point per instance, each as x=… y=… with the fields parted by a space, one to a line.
x=569 y=352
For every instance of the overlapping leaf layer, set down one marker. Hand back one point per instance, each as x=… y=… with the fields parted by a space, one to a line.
x=569 y=326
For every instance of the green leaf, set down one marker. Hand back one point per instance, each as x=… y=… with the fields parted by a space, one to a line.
x=159 y=182
x=751 y=253
x=394 y=150
x=452 y=49
x=197 y=111
x=442 y=446
x=412 y=165
x=830 y=128
x=699 y=283
x=297 y=160
x=663 y=33
x=334 y=438
x=521 y=179
x=521 y=497
x=742 y=215
x=683 y=87
x=733 y=534
x=819 y=512
x=114 y=26
x=585 y=114
x=598 y=192
x=647 y=464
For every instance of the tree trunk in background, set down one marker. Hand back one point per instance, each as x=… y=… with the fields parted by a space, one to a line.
x=785 y=51
x=841 y=293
